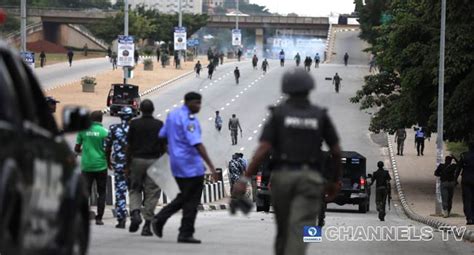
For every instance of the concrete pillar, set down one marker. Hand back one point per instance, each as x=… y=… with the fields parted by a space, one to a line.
x=259 y=38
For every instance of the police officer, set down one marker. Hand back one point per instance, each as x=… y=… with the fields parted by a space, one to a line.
x=317 y=59
x=52 y=102
x=282 y=58
x=236 y=169
x=382 y=179
x=298 y=59
x=295 y=133
x=234 y=126
x=187 y=152
x=265 y=66
x=400 y=137
x=116 y=145
x=218 y=121
x=420 y=136
x=211 y=67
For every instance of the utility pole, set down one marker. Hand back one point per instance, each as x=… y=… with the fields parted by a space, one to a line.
x=237 y=14
x=23 y=25
x=180 y=22
x=440 y=123
x=125 y=32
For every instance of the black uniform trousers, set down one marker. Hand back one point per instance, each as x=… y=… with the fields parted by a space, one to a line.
x=188 y=200
x=420 y=145
x=468 y=201
x=380 y=199
x=100 y=179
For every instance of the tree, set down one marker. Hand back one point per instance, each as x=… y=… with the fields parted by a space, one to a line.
x=406 y=47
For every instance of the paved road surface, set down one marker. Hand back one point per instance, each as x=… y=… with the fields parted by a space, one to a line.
x=58 y=74
x=253 y=234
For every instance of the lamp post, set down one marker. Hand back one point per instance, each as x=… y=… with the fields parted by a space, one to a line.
x=23 y=25
x=440 y=123
x=125 y=32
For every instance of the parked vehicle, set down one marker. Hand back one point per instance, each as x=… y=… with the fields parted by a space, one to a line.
x=121 y=95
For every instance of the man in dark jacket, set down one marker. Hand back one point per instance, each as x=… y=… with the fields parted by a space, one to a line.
x=382 y=179
x=466 y=169
x=447 y=174
x=144 y=148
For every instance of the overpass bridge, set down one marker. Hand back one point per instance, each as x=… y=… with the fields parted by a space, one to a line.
x=284 y=25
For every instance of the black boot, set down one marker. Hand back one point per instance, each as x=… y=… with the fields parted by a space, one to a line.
x=121 y=223
x=146 y=231
x=136 y=220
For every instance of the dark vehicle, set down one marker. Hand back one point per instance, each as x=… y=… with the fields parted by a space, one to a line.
x=355 y=189
x=121 y=95
x=43 y=200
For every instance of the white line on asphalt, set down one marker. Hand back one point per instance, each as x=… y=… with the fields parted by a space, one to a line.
x=233 y=100
x=210 y=118
x=255 y=131
x=182 y=101
x=205 y=87
x=245 y=89
x=259 y=125
x=237 y=96
x=200 y=89
x=264 y=119
x=159 y=115
x=242 y=149
x=241 y=92
x=227 y=104
x=175 y=105
x=222 y=108
x=167 y=110
x=250 y=138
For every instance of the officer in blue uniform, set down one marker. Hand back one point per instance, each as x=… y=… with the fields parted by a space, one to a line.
x=186 y=152
x=116 y=143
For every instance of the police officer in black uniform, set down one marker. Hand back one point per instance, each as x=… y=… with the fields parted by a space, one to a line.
x=294 y=134
x=382 y=179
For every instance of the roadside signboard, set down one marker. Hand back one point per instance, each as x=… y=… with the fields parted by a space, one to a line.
x=179 y=38
x=193 y=42
x=29 y=58
x=236 y=37
x=126 y=50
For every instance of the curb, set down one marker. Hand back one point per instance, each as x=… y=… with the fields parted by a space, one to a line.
x=434 y=223
x=212 y=207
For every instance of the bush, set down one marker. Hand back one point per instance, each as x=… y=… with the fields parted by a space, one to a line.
x=148 y=64
x=88 y=80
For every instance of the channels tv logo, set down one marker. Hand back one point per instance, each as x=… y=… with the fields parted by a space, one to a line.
x=312 y=234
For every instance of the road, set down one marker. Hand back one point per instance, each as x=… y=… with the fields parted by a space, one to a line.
x=253 y=234
x=55 y=75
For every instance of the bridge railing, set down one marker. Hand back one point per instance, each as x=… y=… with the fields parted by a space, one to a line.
x=88 y=34
x=11 y=8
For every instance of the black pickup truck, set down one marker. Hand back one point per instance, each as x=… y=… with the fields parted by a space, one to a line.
x=43 y=200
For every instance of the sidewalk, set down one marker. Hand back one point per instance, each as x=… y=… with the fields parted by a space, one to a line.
x=419 y=183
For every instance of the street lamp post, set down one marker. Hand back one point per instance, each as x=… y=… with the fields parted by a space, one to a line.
x=125 y=32
x=180 y=22
x=23 y=25
x=237 y=14
x=440 y=122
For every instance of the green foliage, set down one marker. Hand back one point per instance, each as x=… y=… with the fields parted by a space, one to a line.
x=407 y=52
x=147 y=24
x=456 y=148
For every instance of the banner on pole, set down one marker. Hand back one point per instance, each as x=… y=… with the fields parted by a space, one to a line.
x=236 y=37
x=29 y=58
x=179 y=38
x=126 y=51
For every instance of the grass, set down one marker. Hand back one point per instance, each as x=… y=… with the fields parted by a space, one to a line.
x=54 y=58
x=456 y=148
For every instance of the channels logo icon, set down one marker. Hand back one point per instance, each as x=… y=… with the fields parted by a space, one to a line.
x=312 y=234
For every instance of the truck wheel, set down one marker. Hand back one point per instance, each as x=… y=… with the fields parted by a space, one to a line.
x=363 y=206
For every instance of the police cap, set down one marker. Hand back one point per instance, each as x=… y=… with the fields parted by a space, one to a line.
x=297 y=81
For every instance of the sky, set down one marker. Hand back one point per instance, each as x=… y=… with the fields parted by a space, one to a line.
x=308 y=7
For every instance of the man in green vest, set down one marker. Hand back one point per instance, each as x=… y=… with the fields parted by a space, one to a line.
x=91 y=145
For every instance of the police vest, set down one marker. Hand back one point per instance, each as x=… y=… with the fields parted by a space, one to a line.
x=420 y=134
x=299 y=134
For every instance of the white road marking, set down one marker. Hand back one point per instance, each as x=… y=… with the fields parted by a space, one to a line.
x=255 y=131
x=159 y=115
x=222 y=108
x=167 y=110
x=242 y=149
x=227 y=104
x=250 y=138
x=237 y=96
x=210 y=118
x=264 y=119
x=259 y=125
x=175 y=105
x=205 y=87
x=233 y=100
